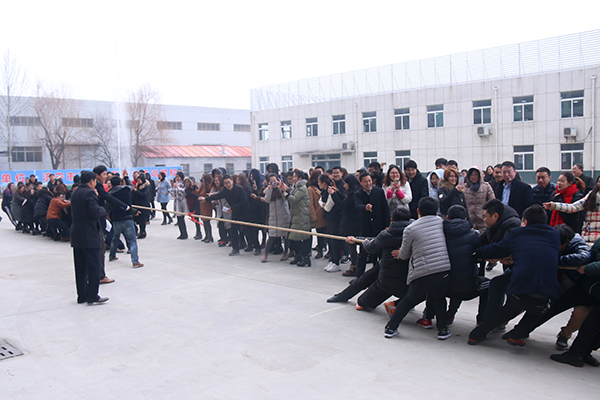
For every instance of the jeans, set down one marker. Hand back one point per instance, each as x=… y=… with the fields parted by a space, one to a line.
x=433 y=287
x=128 y=230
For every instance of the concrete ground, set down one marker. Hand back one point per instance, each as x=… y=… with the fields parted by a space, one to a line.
x=194 y=323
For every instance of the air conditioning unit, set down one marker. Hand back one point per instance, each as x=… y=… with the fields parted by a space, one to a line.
x=483 y=131
x=570 y=132
x=348 y=146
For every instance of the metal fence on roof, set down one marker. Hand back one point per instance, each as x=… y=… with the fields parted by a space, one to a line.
x=559 y=53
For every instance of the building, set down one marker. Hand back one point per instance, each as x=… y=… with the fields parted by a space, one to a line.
x=534 y=103
x=94 y=130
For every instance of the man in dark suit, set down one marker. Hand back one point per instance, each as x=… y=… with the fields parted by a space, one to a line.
x=374 y=214
x=418 y=186
x=577 y=171
x=513 y=192
x=87 y=239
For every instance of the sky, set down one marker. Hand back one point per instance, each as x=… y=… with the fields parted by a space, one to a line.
x=212 y=53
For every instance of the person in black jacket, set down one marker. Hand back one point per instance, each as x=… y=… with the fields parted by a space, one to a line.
x=374 y=214
x=332 y=201
x=238 y=201
x=87 y=239
x=568 y=190
x=418 y=186
x=450 y=191
x=577 y=171
x=141 y=197
x=545 y=190
x=349 y=224
x=513 y=192
x=44 y=197
x=122 y=221
x=388 y=277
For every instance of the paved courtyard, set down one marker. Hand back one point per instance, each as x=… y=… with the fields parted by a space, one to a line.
x=194 y=323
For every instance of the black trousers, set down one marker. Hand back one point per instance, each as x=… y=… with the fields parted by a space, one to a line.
x=166 y=216
x=181 y=226
x=513 y=307
x=432 y=286
x=88 y=265
x=588 y=338
x=335 y=246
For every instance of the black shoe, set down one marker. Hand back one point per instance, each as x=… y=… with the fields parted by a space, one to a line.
x=257 y=252
x=305 y=262
x=319 y=255
x=444 y=334
x=164 y=223
x=337 y=298
x=141 y=236
x=345 y=259
x=99 y=300
x=182 y=237
x=170 y=221
x=568 y=358
x=81 y=301
x=222 y=243
x=248 y=249
x=197 y=237
x=234 y=253
x=296 y=260
x=591 y=360
x=277 y=251
x=327 y=255
x=490 y=266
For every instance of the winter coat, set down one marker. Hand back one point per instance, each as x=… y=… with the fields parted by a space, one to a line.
x=591 y=223
x=258 y=208
x=424 y=244
x=54 y=208
x=206 y=207
x=475 y=199
x=461 y=242
x=591 y=278
x=349 y=223
x=7 y=197
x=433 y=190
x=392 y=271
x=41 y=205
x=316 y=211
x=541 y=196
x=237 y=198
x=448 y=196
x=141 y=197
x=124 y=194
x=162 y=191
x=27 y=211
x=179 y=198
x=400 y=198
x=191 y=195
x=299 y=210
x=534 y=250
x=374 y=221
x=573 y=220
x=219 y=205
x=16 y=205
x=279 y=213
x=419 y=189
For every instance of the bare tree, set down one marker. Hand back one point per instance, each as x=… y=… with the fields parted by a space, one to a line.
x=59 y=122
x=13 y=81
x=144 y=112
x=104 y=140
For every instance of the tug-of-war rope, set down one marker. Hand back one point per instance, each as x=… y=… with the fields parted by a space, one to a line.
x=198 y=220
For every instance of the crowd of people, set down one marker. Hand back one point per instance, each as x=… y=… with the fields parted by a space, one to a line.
x=428 y=237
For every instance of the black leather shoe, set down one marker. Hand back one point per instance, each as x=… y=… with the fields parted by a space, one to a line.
x=568 y=358
x=591 y=360
x=337 y=298
x=99 y=300
x=234 y=253
x=197 y=237
x=81 y=301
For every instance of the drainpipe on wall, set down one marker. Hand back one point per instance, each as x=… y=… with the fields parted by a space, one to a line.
x=593 y=124
x=495 y=133
x=356 y=125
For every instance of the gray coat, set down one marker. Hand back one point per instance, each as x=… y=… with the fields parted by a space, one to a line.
x=424 y=243
x=279 y=214
x=16 y=205
x=179 y=197
x=299 y=210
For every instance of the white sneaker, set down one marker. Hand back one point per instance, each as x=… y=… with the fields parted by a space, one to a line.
x=334 y=268
x=328 y=266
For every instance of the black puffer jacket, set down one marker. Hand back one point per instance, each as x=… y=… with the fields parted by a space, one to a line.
x=448 y=196
x=461 y=242
x=392 y=271
x=418 y=187
x=507 y=221
x=350 y=223
x=41 y=205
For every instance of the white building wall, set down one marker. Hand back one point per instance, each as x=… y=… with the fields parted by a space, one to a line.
x=458 y=139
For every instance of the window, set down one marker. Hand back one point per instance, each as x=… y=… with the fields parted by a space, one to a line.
x=435 y=116
x=248 y=166
x=207 y=126
x=482 y=112
x=263 y=131
x=286 y=129
x=570 y=154
x=523 y=108
x=208 y=168
x=523 y=158
x=370 y=121
x=327 y=161
x=263 y=161
x=78 y=122
x=185 y=168
x=24 y=121
x=169 y=125
x=571 y=104
x=402 y=117
x=27 y=154
x=230 y=168
x=312 y=128
x=241 y=128
x=402 y=156
x=369 y=157
x=339 y=124
x=286 y=163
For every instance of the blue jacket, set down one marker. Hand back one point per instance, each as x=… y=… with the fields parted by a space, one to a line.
x=534 y=250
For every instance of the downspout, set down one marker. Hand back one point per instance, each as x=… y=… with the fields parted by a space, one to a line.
x=496 y=124
x=356 y=126
x=593 y=124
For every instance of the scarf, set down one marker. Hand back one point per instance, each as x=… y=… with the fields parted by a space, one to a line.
x=475 y=186
x=567 y=196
